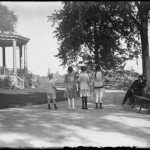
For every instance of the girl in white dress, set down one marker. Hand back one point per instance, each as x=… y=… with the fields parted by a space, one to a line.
x=98 y=84
x=84 y=87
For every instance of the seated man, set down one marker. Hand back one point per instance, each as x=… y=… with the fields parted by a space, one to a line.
x=135 y=89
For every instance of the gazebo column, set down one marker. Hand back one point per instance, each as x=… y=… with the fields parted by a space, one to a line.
x=4 y=58
x=14 y=58
x=20 y=54
x=25 y=56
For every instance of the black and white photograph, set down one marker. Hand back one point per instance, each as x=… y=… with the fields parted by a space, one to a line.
x=74 y=74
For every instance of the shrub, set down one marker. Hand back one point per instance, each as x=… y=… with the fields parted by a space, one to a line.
x=5 y=83
x=123 y=79
x=2 y=84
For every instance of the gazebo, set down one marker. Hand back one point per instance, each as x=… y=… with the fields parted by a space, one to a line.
x=14 y=41
x=7 y=40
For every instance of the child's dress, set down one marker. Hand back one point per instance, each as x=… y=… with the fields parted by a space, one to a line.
x=84 y=84
x=71 y=89
x=98 y=82
x=91 y=97
x=50 y=89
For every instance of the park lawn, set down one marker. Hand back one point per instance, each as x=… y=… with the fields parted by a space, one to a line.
x=24 y=97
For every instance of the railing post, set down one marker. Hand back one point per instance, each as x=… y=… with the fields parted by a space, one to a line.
x=4 y=57
x=4 y=70
x=23 y=83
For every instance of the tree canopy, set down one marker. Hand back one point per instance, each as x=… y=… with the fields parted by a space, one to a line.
x=8 y=20
x=95 y=31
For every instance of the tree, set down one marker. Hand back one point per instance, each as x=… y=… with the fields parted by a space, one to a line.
x=8 y=20
x=110 y=25
x=138 y=11
x=92 y=30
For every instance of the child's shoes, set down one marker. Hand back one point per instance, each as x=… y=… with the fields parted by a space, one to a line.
x=49 y=107
x=55 y=106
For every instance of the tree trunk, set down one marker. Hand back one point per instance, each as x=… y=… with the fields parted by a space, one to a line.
x=145 y=50
x=96 y=46
x=145 y=45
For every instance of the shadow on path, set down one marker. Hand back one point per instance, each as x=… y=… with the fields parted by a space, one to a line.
x=26 y=97
x=35 y=126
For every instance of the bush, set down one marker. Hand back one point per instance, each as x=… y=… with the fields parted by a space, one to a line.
x=5 y=83
x=123 y=79
x=2 y=84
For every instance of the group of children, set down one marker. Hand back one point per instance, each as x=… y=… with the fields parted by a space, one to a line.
x=81 y=84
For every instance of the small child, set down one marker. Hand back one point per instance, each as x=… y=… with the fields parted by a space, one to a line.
x=84 y=87
x=51 y=94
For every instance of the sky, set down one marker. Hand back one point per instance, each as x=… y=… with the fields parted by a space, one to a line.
x=32 y=24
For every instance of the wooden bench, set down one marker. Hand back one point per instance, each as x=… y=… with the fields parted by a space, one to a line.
x=60 y=86
x=109 y=85
x=143 y=101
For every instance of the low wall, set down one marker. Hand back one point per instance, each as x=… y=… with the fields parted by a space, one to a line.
x=24 y=97
x=111 y=96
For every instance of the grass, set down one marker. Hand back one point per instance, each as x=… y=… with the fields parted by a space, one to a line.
x=35 y=96
x=24 y=97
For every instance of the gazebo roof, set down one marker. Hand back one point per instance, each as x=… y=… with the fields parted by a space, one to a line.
x=6 y=40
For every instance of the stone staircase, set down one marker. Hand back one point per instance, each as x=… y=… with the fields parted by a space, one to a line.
x=17 y=81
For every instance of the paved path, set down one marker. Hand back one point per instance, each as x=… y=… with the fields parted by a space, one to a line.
x=36 y=127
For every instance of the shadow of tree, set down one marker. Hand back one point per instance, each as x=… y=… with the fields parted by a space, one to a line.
x=33 y=97
x=35 y=126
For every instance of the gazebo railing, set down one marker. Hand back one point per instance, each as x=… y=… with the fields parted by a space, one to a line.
x=9 y=71
x=2 y=70
x=6 y=71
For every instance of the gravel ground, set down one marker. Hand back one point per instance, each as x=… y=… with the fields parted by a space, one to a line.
x=113 y=126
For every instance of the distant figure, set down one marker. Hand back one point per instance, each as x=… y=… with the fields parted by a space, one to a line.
x=71 y=89
x=51 y=91
x=84 y=87
x=98 y=84
x=135 y=89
